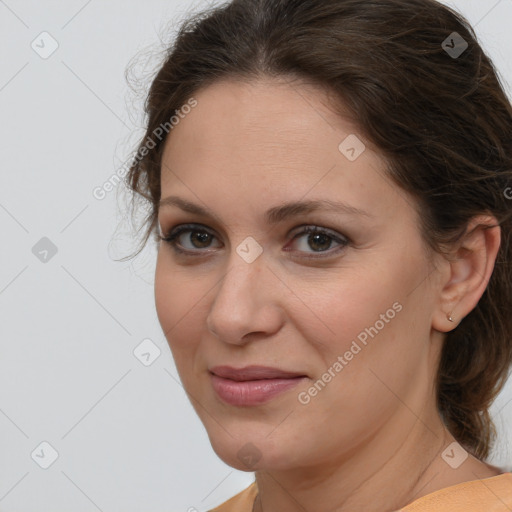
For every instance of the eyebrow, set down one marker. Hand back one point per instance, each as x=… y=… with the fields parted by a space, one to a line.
x=275 y=214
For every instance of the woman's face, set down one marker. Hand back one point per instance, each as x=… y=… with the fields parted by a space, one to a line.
x=348 y=309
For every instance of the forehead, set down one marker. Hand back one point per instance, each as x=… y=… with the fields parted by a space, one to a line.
x=269 y=111
x=270 y=140
x=259 y=119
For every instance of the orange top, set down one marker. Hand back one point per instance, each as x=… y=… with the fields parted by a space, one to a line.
x=492 y=494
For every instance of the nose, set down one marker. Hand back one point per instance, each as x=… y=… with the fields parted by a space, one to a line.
x=246 y=302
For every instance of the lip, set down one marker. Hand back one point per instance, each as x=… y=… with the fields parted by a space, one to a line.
x=253 y=373
x=252 y=385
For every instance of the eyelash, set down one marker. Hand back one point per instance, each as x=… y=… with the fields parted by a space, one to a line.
x=174 y=234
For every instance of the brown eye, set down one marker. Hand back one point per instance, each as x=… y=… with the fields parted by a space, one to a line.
x=320 y=240
x=198 y=238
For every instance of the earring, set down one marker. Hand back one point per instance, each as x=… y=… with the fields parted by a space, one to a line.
x=449 y=317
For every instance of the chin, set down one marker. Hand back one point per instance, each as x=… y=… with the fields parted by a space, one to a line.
x=251 y=453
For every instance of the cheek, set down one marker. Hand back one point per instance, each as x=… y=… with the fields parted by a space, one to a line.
x=363 y=317
x=165 y=298
x=175 y=292
x=178 y=308
x=379 y=344
x=357 y=365
x=342 y=307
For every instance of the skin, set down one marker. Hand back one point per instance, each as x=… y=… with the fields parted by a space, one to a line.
x=374 y=429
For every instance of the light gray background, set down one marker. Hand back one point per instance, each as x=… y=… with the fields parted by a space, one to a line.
x=126 y=435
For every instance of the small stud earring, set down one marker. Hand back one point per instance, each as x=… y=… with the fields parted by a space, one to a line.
x=449 y=318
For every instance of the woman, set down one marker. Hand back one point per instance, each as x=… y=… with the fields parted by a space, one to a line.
x=330 y=189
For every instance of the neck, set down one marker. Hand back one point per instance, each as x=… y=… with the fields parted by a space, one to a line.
x=386 y=472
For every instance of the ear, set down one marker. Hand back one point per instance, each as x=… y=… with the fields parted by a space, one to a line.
x=469 y=269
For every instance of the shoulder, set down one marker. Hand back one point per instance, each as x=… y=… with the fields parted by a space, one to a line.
x=241 y=502
x=492 y=494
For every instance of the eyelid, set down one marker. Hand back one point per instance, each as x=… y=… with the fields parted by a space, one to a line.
x=316 y=227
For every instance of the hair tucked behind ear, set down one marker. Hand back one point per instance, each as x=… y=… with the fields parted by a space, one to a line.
x=442 y=120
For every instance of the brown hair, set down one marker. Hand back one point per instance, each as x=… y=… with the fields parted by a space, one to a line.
x=443 y=122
